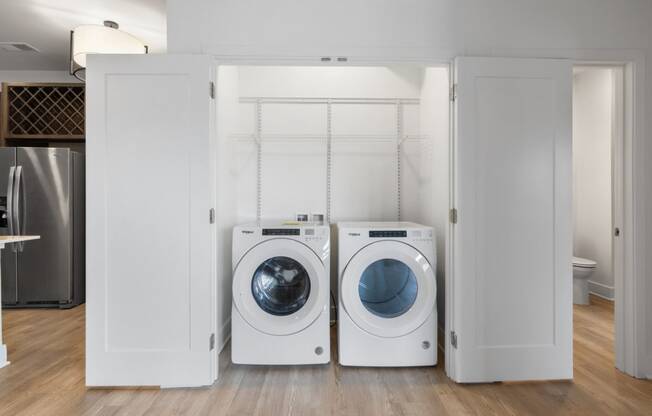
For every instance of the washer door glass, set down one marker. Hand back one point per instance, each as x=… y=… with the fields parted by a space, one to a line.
x=280 y=286
x=388 y=288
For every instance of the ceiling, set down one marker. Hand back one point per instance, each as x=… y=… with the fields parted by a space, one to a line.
x=46 y=25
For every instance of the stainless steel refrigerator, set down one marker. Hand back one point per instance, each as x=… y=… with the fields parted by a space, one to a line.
x=42 y=193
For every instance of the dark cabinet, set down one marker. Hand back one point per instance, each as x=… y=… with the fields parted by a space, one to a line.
x=43 y=111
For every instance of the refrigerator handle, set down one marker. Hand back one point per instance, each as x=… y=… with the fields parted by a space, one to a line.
x=19 y=215
x=10 y=204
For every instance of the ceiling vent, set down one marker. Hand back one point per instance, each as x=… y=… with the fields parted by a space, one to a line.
x=17 y=47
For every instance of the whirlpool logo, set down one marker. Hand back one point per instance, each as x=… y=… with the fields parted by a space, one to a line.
x=247 y=232
x=354 y=234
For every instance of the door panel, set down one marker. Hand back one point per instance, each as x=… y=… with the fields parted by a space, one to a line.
x=306 y=298
x=281 y=286
x=388 y=289
x=149 y=281
x=8 y=254
x=45 y=267
x=512 y=269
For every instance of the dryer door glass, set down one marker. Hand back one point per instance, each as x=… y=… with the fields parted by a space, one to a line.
x=280 y=286
x=388 y=288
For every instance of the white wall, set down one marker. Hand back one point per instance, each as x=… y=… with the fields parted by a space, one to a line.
x=408 y=28
x=344 y=81
x=592 y=174
x=294 y=142
x=442 y=29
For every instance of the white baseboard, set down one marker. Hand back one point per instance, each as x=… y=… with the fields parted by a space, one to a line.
x=3 y=356
x=601 y=290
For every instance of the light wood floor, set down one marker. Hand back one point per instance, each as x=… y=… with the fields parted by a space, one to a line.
x=46 y=377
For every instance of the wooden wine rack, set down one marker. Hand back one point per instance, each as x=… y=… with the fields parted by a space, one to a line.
x=43 y=111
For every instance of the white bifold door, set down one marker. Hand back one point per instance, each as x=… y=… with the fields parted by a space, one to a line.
x=511 y=261
x=150 y=278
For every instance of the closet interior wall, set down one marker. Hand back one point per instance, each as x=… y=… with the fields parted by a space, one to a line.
x=350 y=143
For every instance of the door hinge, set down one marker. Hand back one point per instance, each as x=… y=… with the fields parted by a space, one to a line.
x=452 y=94
x=452 y=216
x=211 y=342
x=454 y=339
x=211 y=89
x=211 y=216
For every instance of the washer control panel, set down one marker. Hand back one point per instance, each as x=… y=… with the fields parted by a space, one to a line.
x=387 y=234
x=281 y=231
x=309 y=233
x=314 y=234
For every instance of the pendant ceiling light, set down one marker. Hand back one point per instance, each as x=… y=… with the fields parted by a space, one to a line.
x=90 y=39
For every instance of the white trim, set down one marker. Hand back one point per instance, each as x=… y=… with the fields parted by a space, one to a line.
x=443 y=62
x=3 y=356
x=602 y=291
x=618 y=165
x=215 y=360
x=630 y=300
x=450 y=369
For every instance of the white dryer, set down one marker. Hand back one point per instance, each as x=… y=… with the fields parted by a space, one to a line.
x=280 y=312
x=387 y=295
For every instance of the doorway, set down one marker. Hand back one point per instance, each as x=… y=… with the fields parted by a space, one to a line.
x=598 y=115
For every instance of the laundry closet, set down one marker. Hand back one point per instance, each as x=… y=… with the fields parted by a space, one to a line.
x=184 y=148
x=344 y=143
x=331 y=144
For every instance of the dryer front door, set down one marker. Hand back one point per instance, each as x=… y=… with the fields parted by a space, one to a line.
x=280 y=287
x=388 y=289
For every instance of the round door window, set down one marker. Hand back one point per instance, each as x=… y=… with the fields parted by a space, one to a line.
x=388 y=288
x=280 y=286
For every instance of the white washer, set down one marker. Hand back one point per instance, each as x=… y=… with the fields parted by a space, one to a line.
x=387 y=295
x=281 y=287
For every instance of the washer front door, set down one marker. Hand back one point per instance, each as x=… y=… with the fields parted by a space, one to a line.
x=279 y=287
x=388 y=289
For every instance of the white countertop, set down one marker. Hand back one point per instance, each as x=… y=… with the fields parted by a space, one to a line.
x=6 y=239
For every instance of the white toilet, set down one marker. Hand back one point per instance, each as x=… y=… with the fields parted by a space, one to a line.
x=582 y=270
